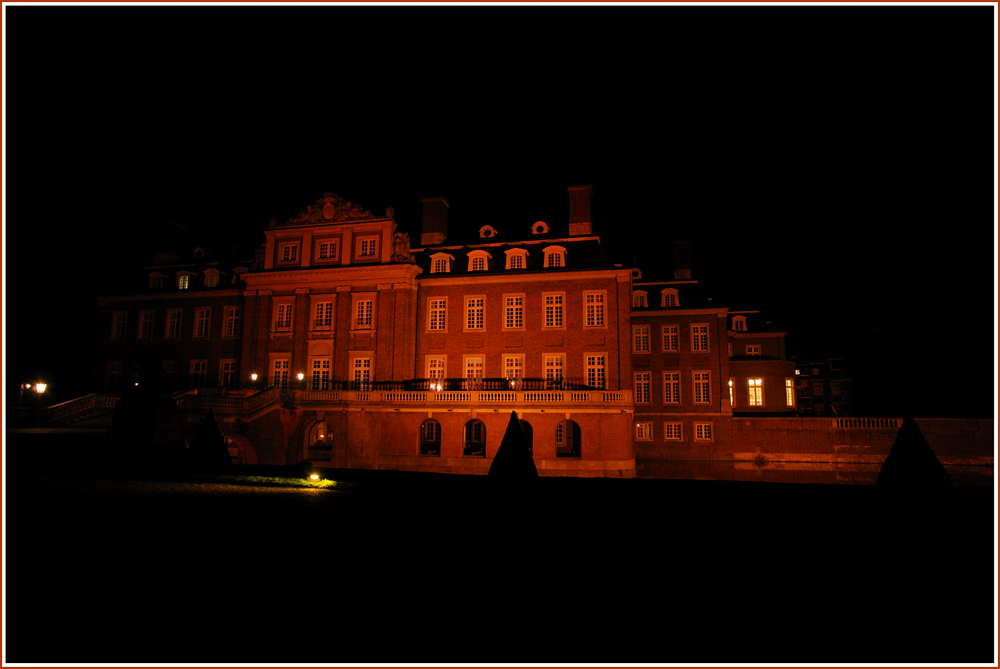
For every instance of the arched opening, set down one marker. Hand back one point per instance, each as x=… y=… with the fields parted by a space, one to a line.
x=568 y=441
x=529 y=434
x=320 y=442
x=475 y=438
x=430 y=437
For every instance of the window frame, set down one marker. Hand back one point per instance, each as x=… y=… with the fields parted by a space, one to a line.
x=553 y=251
x=479 y=254
x=705 y=391
x=360 y=247
x=555 y=381
x=428 y=367
x=232 y=374
x=704 y=426
x=357 y=318
x=644 y=430
x=677 y=338
x=648 y=382
x=602 y=367
x=288 y=248
x=329 y=241
x=441 y=310
x=231 y=322
x=753 y=350
x=680 y=431
x=789 y=392
x=640 y=335
x=696 y=338
x=675 y=386
x=438 y=257
x=146 y=324
x=559 y=308
x=320 y=316
x=202 y=364
x=507 y=310
x=669 y=292
x=755 y=392
x=284 y=324
x=519 y=253
x=119 y=325
x=518 y=369
x=640 y=296
x=283 y=372
x=199 y=321
x=171 y=321
x=603 y=302
x=739 y=323
x=469 y=310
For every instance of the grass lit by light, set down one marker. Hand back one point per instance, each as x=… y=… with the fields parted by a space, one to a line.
x=273 y=481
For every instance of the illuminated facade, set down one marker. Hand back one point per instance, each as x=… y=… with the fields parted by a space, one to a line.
x=343 y=344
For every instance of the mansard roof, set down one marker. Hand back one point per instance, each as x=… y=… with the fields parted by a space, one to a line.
x=585 y=253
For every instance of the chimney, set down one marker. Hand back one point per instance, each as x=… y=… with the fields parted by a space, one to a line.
x=435 y=228
x=682 y=260
x=579 y=210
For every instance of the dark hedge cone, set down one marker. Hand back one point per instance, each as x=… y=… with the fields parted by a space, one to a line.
x=513 y=461
x=911 y=464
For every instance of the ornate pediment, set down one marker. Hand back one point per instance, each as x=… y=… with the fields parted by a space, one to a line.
x=331 y=208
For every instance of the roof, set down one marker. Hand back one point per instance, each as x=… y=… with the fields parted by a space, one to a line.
x=583 y=253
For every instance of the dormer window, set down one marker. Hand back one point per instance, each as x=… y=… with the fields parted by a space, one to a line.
x=636 y=274
x=639 y=298
x=288 y=252
x=479 y=261
x=740 y=323
x=199 y=252
x=668 y=297
x=184 y=280
x=517 y=258
x=156 y=280
x=238 y=273
x=487 y=231
x=539 y=228
x=555 y=256
x=441 y=263
x=211 y=278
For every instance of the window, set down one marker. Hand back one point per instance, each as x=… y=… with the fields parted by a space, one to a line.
x=539 y=228
x=441 y=263
x=362 y=373
x=554 y=370
x=671 y=387
x=568 y=439
x=593 y=310
x=227 y=373
x=320 y=374
x=473 y=373
x=145 y=325
x=753 y=350
x=555 y=256
x=516 y=258
x=280 y=377
x=438 y=314
x=324 y=316
x=328 y=250
x=668 y=297
x=699 y=337
x=756 y=388
x=487 y=231
x=232 y=322
x=479 y=261
x=118 y=321
x=672 y=431
x=199 y=371
x=789 y=393
x=640 y=339
x=642 y=383
x=289 y=252
x=211 y=279
x=170 y=372
x=513 y=367
x=284 y=319
x=475 y=438
x=639 y=298
x=818 y=388
x=201 y=322
x=436 y=367
x=834 y=387
x=702 y=390
x=595 y=369
x=173 y=323
x=703 y=432
x=156 y=280
x=367 y=247
x=671 y=339
x=514 y=311
x=474 y=313
x=113 y=378
x=320 y=442
x=732 y=392
x=553 y=309
x=740 y=323
x=183 y=281
x=363 y=315
x=729 y=348
x=238 y=273
x=643 y=431
x=430 y=437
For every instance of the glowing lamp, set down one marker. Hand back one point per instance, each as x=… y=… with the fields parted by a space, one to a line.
x=301 y=376
x=253 y=377
x=39 y=387
x=314 y=477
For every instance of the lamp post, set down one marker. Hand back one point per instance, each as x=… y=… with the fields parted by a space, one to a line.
x=253 y=381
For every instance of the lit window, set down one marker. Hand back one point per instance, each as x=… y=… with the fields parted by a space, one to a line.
x=118 y=321
x=640 y=339
x=474 y=313
x=363 y=315
x=183 y=281
x=513 y=366
x=753 y=350
x=594 y=309
x=756 y=388
x=553 y=310
x=201 y=321
x=555 y=256
x=672 y=431
x=671 y=338
x=642 y=383
x=439 y=313
x=435 y=367
x=554 y=371
x=146 y=325
x=644 y=431
x=699 y=337
x=732 y=393
x=324 y=316
x=702 y=388
x=671 y=387
x=473 y=373
x=514 y=312
x=173 y=323
x=668 y=297
x=232 y=322
x=789 y=393
x=211 y=279
x=284 y=320
x=703 y=432
x=595 y=370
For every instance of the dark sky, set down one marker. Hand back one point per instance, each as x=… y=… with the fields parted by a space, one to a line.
x=832 y=165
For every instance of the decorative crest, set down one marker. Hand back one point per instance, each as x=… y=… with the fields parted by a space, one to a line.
x=331 y=208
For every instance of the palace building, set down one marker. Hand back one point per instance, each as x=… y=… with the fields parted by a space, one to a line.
x=343 y=343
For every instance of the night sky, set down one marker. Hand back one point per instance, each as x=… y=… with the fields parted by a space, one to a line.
x=832 y=166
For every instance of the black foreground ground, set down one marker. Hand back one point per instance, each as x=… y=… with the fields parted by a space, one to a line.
x=103 y=568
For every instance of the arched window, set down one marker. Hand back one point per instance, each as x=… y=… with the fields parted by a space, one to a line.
x=517 y=258
x=539 y=228
x=441 y=263
x=475 y=438
x=320 y=442
x=479 y=261
x=568 y=440
x=740 y=323
x=555 y=256
x=636 y=273
x=211 y=278
x=156 y=280
x=487 y=231
x=430 y=437
x=639 y=298
x=668 y=297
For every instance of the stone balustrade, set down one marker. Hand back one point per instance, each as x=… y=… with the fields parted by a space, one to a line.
x=471 y=397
